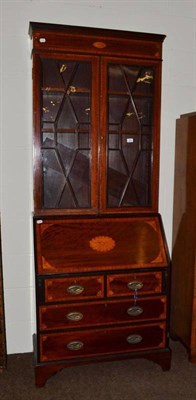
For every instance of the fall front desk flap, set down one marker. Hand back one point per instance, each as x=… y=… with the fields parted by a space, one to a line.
x=74 y=245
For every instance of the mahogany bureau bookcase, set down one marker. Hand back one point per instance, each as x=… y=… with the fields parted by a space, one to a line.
x=101 y=258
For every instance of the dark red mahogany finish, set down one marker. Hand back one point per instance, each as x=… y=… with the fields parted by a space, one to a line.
x=102 y=264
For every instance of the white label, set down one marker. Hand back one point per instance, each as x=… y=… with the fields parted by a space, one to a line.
x=130 y=140
x=42 y=40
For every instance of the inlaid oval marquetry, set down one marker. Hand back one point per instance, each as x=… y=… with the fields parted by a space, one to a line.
x=99 y=45
x=102 y=243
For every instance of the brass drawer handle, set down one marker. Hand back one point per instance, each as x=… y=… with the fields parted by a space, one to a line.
x=74 y=316
x=135 y=285
x=75 y=289
x=134 y=339
x=135 y=311
x=75 y=345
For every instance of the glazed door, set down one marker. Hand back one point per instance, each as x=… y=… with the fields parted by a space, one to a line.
x=130 y=126
x=66 y=133
x=96 y=134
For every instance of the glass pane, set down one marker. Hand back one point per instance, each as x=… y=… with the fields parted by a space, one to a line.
x=53 y=178
x=66 y=133
x=130 y=129
x=51 y=103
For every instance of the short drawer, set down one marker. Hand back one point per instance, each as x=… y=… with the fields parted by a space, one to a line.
x=101 y=313
x=73 y=288
x=126 y=284
x=75 y=344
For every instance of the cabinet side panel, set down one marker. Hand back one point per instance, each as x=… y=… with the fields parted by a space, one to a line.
x=184 y=231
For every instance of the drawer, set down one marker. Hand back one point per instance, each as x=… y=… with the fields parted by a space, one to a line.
x=101 y=313
x=125 y=284
x=75 y=344
x=73 y=288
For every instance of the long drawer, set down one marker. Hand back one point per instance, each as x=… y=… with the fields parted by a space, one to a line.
x=96 y=313
x=77 y=344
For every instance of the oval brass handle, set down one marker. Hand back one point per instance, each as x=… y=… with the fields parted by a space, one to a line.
x=135 y=285
x=75 y=345
x=134 y=339
x=75 y=289
x=135 y=311
x=74 y=316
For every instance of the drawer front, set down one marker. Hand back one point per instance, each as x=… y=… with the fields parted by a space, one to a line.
x=126 y=284
x=101 y=341
x=94 y=314
x=75 y=288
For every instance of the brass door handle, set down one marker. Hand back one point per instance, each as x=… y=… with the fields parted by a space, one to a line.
x=134 y=339
x=135 y=311
x=75 y=289
x=135 y=285
x=75 y=345
x=74 y=316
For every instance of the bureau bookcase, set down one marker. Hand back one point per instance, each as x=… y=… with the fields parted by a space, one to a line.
x=101 y=258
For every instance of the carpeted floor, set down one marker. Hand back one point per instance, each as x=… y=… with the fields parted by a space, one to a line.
x=120 y=380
